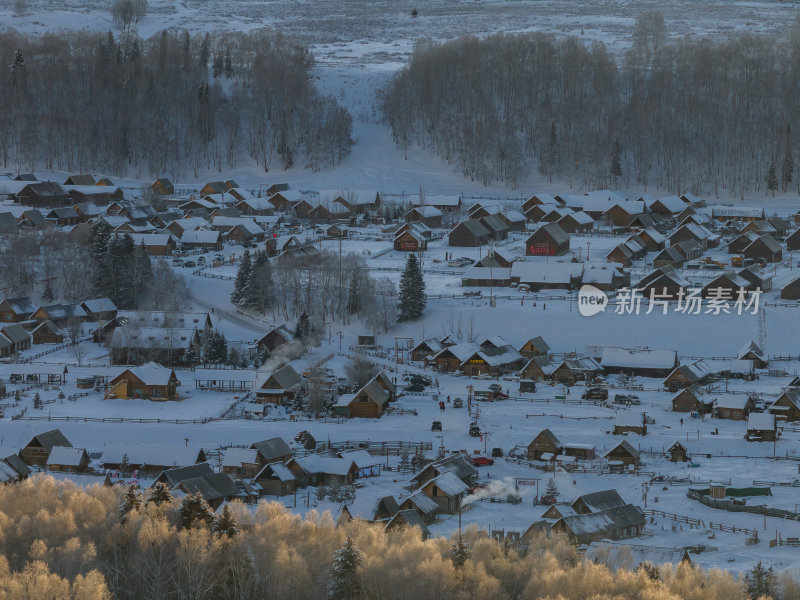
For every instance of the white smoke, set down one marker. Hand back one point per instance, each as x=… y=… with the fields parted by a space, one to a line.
x=495 y=489
x=282 y=355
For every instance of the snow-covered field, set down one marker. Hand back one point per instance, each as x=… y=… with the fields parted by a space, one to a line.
x=358 y=46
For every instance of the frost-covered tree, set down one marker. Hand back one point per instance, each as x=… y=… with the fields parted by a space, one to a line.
x=460 y=552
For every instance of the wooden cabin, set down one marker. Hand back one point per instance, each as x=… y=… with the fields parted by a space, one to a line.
x=37 y=450
x=543 y=444
x=623 y=453
x=150 y=381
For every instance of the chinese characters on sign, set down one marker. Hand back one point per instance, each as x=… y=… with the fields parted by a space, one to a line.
x=689 y=301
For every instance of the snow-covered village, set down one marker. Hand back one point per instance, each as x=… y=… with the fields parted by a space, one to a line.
x=443 y=300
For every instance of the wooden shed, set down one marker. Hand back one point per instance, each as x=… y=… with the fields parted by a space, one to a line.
x=37 y=450
x=544 y=443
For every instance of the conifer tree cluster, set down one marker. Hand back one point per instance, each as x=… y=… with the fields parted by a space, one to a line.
x=121 y=270
x=215 y=347
x=412 y=291
x=254 y=285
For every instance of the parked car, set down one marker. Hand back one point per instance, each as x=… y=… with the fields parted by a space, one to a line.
x=189 y=263
x=595 y=393
x=481 y=461
x=415 y=387
x=436 y=426
x=458 y=403
x=177 y=262
x=219 y=257
x=495 y=387
x=497 y=452
x=474 y=430
x=421 y=380
x=201 y=260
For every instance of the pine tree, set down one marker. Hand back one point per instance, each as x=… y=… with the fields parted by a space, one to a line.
x=99 y=239
x=459 y=553
x=215 y=347
x=228 y=63
x=303 y=329
x=190 y=357
x=344 y=583
x=555 y=153
x=551 y=490
x=123 y=466
x=61 y=395
x=205 y=51
x=412 y=291
x=615 y=163
x=285 y=149
x=772 y=179
x=17 y=62
x=760 y=581
x=159 y=494
x=37 y=401
x=260 y=293
x=241 y=285
x=225 y=524
x=788 y=161
x=195 y=512
x=354 y=294
x=405 y=465
x=133 y=501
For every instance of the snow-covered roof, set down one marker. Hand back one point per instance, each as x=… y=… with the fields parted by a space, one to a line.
x=601 y=275
x=672 y=203
x=315 y=463
x=502 y=355
x=189 y=223
x=152 y=337
x=649 y=359
x=150 y=454
x=449 y=483
x=62 y=455
x=258 y=203
x=737 y=212
x=424 y=503
x=236 y=457
x=97 y=305
x=362 y=458
x=629 y=419
x=152 y=373
x=151 y=239
x=546 y=272
x=732 y=401
x=427 y=211
x=200 y=236
x=247 y=224
x=498 y=274
x=761 y=422
x=461 y=351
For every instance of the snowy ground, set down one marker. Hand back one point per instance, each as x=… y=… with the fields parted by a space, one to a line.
x=508 y=424
x=358 y=46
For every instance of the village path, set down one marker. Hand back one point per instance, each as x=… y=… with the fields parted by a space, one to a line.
x=218 y=306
